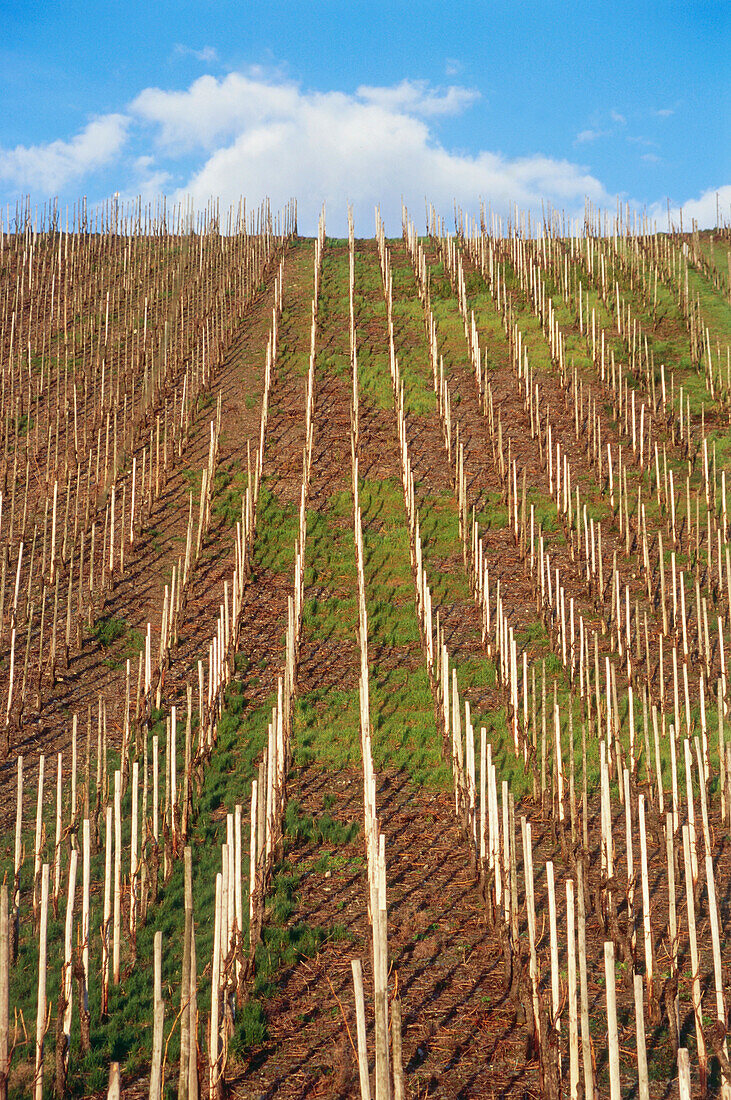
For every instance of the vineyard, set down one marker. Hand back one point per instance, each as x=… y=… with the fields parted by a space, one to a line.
x=365 y=631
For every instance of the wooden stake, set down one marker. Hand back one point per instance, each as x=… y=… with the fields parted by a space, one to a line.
x=107 y=911
x=398 y=1067
x=85 y=910
x=113 y=1085
x=645 y=897
x=66 y=985
x=117 y=930
x=717 y=968
x=39 y=825
x=615 y=1092
x=684 y=1074
x=185 y=1051
x=696 y=982
x=553 y=932
x=158 y=1021
x=584 y=988
x=530 y=907
x=193 y=1086
x=57 y=846
x=17 y=858
x=573 y=1015
x=42 y=964
x=365 y=1086
x=4 y=989
x=214 y=1038
x=380 y=976
x=642 y=1078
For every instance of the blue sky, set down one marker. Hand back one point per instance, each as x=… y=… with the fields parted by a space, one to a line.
x=364 y=102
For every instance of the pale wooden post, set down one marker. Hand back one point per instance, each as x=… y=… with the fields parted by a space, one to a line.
x=642 y=1078
x=717 y=968
x=117 y=929
x=530 y=907
x=193 y=1025
x=133 y=859
x=38 y=836
x=380 y=972
x=4 y=989
x=573 y=1017
x=67 y=985
x=18 y=855
x=42 y=962
x=107 y=911
x=684 y=1073
x=645 y=897
x=613 y=1037
x=113 y=1087
x=214 y=1038
x=553 y=934
x=365 y=1086
x=398 y=1065
x=157 y=1024
x=694 y=960
x=183 y=1076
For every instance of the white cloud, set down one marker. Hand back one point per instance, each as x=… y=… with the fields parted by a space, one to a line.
x=703 y=209
x=149 y=180
x=206 y=55
x=374 y=146
x=453 y=66
x=51 y=166
x=263 y=137
x=212 y=110
x=665 y=112
x=585 y=136
x=257 y=135
x=416 y=97
x=594 y=133
x=650 y=158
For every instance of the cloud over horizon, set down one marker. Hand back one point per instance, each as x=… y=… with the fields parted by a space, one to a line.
x=51 y=166
x=244 y=134
x=370 y=147
x=703 y=209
